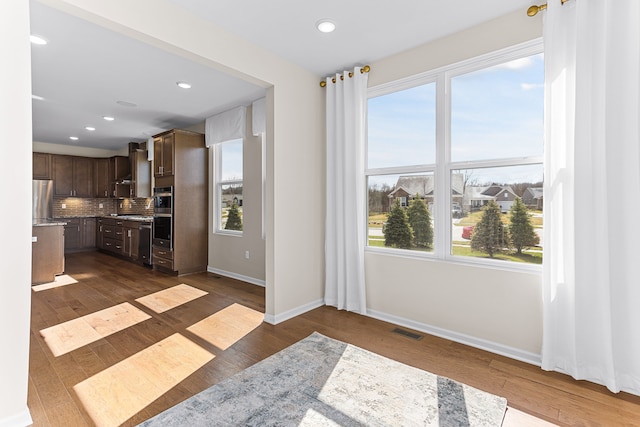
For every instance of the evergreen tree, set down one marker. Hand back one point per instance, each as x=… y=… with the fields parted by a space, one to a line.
x=420 y=221
x=521 y=230
x=397 y=231
x=489 y=235
x=234 y=222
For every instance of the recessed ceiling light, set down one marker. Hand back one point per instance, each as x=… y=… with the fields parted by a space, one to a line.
x=90 y=128
x=184 y=85
x=108 y=118
x=37 y=40
x=325 y=26
x=73 y=138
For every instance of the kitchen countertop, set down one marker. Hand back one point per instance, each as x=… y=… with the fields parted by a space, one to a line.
x=131 y=217
x=47 y=222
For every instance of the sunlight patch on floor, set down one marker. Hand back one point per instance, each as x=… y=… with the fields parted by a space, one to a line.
x=170 y=298
x=119 y=392
x=228 y=326
x=76 y=333
x=61 y=280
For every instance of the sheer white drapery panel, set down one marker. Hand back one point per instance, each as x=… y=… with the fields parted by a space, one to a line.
x=591 y=288
x=225 y=126
x=346 y=109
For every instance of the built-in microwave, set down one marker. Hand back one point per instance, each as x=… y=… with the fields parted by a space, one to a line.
x=163 y=200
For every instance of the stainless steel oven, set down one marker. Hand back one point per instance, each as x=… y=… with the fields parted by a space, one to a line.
x=163 y=217
x=163 y=230
x=163 y=200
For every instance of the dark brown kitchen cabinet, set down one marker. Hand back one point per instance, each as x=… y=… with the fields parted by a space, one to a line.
x=131 y=239
x=72 y=240
x=140 y=174
x=41 y=166
x=163 y=154
x=79 y=233
x=189 y=179
x=47 y=253
x=101 y=178
x=72 y=176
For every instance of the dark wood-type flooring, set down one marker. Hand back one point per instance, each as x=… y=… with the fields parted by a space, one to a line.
x=533 y=395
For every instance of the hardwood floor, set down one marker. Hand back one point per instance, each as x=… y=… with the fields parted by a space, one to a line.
x=535 y=397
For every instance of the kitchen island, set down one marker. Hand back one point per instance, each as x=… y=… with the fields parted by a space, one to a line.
x=47 y=251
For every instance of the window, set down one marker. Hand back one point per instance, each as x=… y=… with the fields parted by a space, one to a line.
x=228 y=182
x=455 y=161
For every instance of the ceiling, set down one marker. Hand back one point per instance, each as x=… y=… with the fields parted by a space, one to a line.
x=86 y=71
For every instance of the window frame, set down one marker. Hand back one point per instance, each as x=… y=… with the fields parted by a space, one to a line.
x=444 y=166
x=219 y=183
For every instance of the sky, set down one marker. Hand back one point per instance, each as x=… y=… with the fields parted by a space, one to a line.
x=231 y=160
x=496 y=113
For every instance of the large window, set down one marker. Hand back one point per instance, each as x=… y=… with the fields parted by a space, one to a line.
x=454 y=161
x=228 y=182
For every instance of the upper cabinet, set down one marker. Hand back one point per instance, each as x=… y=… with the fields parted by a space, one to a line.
x=140 y=174
x=72 y=176
x=41 y=166
x=163 y=154
x=102 y=178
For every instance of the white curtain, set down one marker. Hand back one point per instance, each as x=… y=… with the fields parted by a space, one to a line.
x=345 y=228
x=591 y=277
x=225 y=126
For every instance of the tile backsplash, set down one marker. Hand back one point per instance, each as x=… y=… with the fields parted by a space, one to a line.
x=74 y=206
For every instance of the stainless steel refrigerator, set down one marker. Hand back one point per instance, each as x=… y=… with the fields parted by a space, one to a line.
x=42 y=197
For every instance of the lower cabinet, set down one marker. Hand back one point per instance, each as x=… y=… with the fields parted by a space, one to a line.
x=131 y=239
x=120 y=237
x=79 y=233
x=163 y=258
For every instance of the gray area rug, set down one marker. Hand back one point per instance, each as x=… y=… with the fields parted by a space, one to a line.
x=320 y=381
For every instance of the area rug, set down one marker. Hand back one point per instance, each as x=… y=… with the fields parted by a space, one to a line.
x=320 y=381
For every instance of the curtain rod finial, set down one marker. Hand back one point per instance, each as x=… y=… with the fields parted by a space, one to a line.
x=323 y=83
x=533 y=10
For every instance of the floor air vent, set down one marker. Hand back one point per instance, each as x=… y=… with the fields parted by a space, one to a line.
x=406 y=333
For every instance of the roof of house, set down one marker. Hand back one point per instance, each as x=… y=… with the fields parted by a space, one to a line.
x=424 y=184
x=487 y=192
x=536 y=192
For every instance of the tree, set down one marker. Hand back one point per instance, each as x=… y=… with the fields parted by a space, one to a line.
x=489 y=235
x=397 y=231
x=420 y=222
x=521 y=230
x=234 y=222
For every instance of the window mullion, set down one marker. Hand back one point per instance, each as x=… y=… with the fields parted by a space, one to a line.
x=441 y=229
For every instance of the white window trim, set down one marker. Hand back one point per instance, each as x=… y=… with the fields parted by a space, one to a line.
x=442 y=77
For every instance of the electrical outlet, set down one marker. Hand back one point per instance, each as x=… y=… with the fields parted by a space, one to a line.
x=64 y=206
x=246 y=254
x=121 y=205
x=100 y=205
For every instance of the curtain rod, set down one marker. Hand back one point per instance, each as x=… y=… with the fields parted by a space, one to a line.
x=533 y=10
x=363 y=70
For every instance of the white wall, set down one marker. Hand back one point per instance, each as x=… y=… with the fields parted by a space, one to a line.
x=227 y=252
x=15 y=175
x=295 y=134
x=495 y=309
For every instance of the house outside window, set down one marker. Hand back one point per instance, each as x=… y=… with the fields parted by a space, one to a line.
x=229 y=185
x=462 y=140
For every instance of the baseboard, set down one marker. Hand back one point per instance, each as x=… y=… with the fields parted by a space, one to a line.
x=21 y=419
x=247 y=279
x=503 y=350
x=290 y=314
